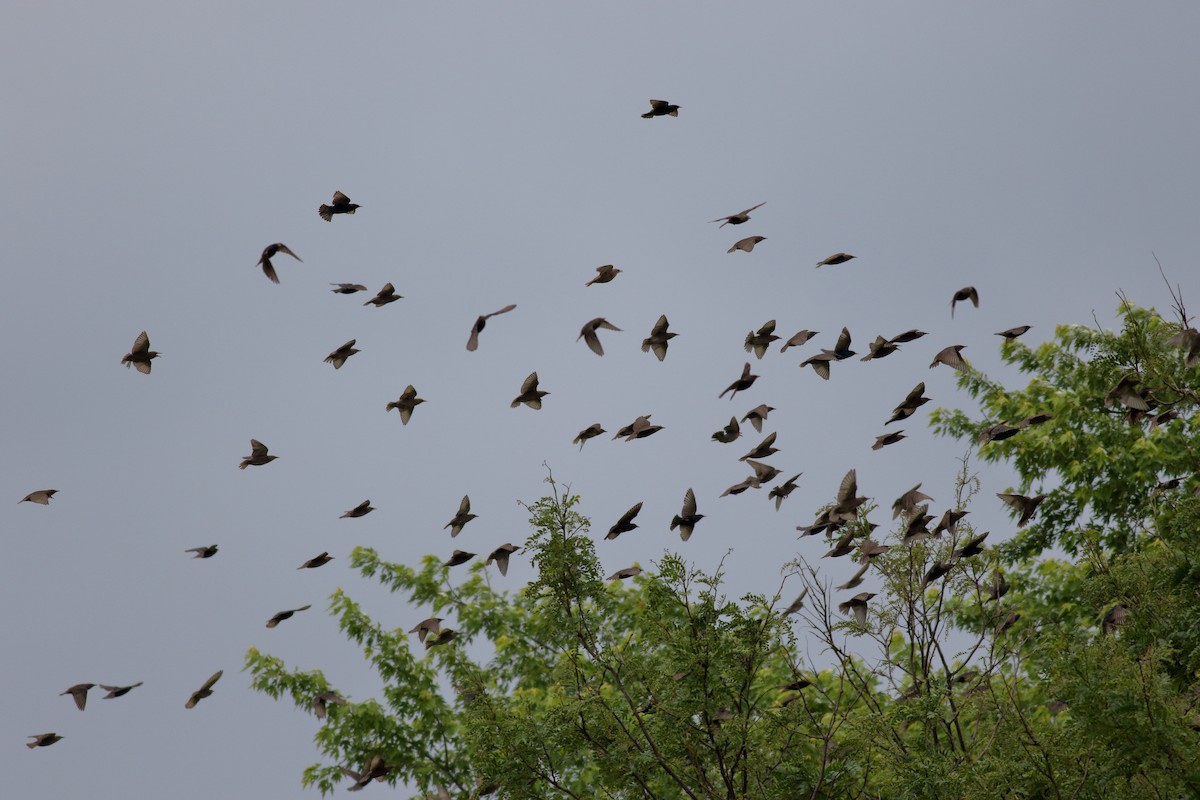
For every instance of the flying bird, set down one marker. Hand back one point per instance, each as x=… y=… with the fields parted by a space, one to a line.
x=118 y=691
x=588 y=334
x=141 y=355
x=658 y=338
x=282 y=615
x=456 y=558
x=858 y=606
x=965 y=293
x=757 y=415
x=625 y=523
x=500 y=555
x=687 y=518
x=937 y=571
x=738 y=218
x=886 y=439
x=741 y=384
x=1013 y=333
x=340 y=205
x=1025 y=506
x=622 y=574
x=880 y=348
x=268 y=253
x=604 y=274
x=797 y=604
x=321 y=701
x=781 y=492
x=640 y=428
x=836 y=258
x=41 y=497
x=797 y=339
x=1188 y=339
x=907 y=502
x=914 y=400
x=347 y=288
x=360 y=510
x=746 y=245
x=375 y=770
x=820 y=362
x=763 y=473
x=203 y=552
x=763 y=449
x=317 y=561
x=758 y=341
x=729 y=432
x=530 y=395
x=405 y=404
x=1114 y=618
x=590 y=432
x=480 y=323
x=258 y=455
x=386 y=295
x=79 y=693
x=427 y=626
x=952 y=357
x=869 y=549
x=842 y=348
x=972 y=547
x=460 y=519
x=43 y=740
x=910 y=335
x=339 y=356
x=857 y=580
x=661 y=108
x=205 y=690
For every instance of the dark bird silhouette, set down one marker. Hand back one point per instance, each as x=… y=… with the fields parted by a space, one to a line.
x=79 y=693
x=317 y=561
x=658 y=338
x=857 y=579
x=869 y=549
x=741 y=384
x=965 y=293
x=203 y=552
x=952 y=357
x=268 y=253
x=996 y=433
x=339 y=356
x=661 y=108
x=907 y=502
x=751 y=482
x=500 y=555
x=972 y=547
x=910 y=335
x=1013 y=333
x=405 y=404
x=386 y=295
x=622 y=574
x=836 y=258
x=757 y=415
x=360 y=510
x=41 y=497
x=258 y=455
x=886 y=439
x=763 y=473
x=746 y=245
x=480 y=323
x=321 y=701
x=347 y=288
x=1036 y=419
x=204 y=691
x=1114 y=618
x=625 y=523
x=1127 y=393
x=282 y=615
x=997 y=587
x=427 y=626
x=687 y=518
x=118 y=691
x=738 y=218
x=880 y=348
x=590 y=432
x=763 y=449
x=1025 y=506
x=781 y=492
x=141 y=355
x=758 y=341
x=43 y=740
x=444 y=636
x=340 y=205
x=820 y=363
x=375 y=770
x=797 y=604
x=604 y=274
x=914 y=400
x=949 y=522
x=842 y=348
x=729 y=432
x=588 y=334
x=458 y=557
x=845 y=509
x=1188 y=340
x=937 y=571
x=530 y=395
x=460 y=519
x=797 y=339
x=640 y=428
x=857 y=605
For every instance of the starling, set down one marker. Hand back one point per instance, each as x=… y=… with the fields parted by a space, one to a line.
x=746 y=245
x=386 y=295
x=952 y=357
x=996 y=433
x=729 y=432
x=375 y=770
x=324 y=699
x=1036 y=419
x=1013 y=333
x=917 y=528
x=910 y=404
x=858 y=606
x=1026 y=506
x=1008 y=622
x=949 y=522
x=604 y=274
x=749 y=483
x=480 y=323
x=622 y=574
x=588 y=334
x=1114 y=618
x=141 y=355
x=880 y=348
x=836 y=258
x=405 y=404
x=205 y=690
x=938 y=570
x=847 y=505
x=661 y=108
x=360 y=510
x=781 y=492
x=590 y=432
x=687 y=518
x=347 y=288
x=965 y=293
x=658 y=338
x=757 y=415
x=857 y=580
x=268 y=253
x=43 y=740
x=340 y=205
x=118 y=691
x=997 y=587
x=282 y=615
x=317 y=561
x=763 y=473
x=203 y=552
x=258 y=455
x=759 y=341
x=530 y=395
x=842 y=348
x=820 y=363
x=1188 y=340
x=798 y=339
x=339 y=356
x=41 y=497
x=910 y=335
x=886 y=439
x=500 y=556
x=640 y=428
x=868 y=549
x=738 y=218
x=443 y=636
x=796 y=605
x=458 y=557
x=843 y=547
x=741 y=384
x=625 y=523
x=427 y=626
x=79 y=692
x=1126 y=394
x=460 y=519
x=763 y=449
x=907 y=502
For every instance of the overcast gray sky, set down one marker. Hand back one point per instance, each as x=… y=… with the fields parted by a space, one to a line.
x=1037 y=151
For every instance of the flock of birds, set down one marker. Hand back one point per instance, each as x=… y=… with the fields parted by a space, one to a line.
x=841 y=521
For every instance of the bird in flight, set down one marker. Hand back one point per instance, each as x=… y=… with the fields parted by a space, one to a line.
x=269 y=252
x=661 y=108
x=205 y=690
x=141 y=355
x=836 y=258
x=473 y=342
x=407 y=401
x=604 y=274
x=530 y=395
x=588 y=334
x=340 y=205
x=258 y=455
x=386 y=295
x=738 y=218
x=339 y=356
x=41 y=497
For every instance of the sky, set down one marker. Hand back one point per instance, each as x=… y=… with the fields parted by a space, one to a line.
x=1043 y=153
